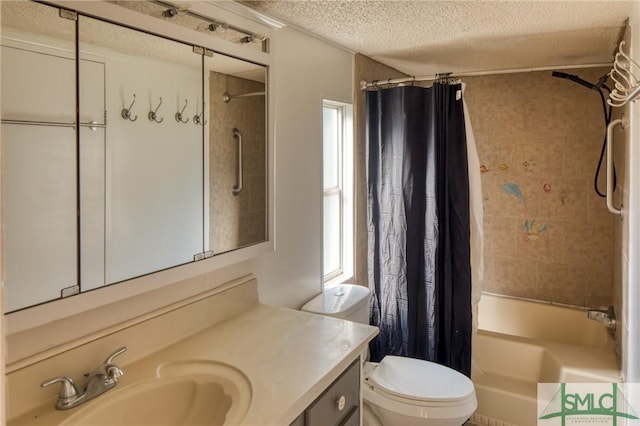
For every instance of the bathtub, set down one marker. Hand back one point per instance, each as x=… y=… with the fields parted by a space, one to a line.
x=521 y=343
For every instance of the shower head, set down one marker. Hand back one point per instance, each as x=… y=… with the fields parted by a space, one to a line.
x=575 y=79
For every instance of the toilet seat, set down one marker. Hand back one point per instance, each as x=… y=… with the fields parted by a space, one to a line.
x=431 y=410
x=418 y=382
x=399 y=389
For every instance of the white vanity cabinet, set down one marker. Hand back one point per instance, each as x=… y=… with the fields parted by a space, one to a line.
x=339 y=404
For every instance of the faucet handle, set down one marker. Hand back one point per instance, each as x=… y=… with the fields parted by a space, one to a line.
x=68 y=389
x=115 y=353
x=114 y=372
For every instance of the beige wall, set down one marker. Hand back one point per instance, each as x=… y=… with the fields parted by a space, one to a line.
x=236 y=221
x=306 y=71
x=623 y=276
x=548 y=236
x=621 y=146
x=364 y=69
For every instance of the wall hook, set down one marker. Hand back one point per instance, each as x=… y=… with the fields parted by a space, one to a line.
x=179 y=114
x=126 y=112
x=199 y=119
x=152 y=114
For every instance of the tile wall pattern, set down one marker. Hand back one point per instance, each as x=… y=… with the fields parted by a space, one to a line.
x=236 y=221
x=548 y=236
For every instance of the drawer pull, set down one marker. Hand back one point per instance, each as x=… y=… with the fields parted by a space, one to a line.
x=342 y=402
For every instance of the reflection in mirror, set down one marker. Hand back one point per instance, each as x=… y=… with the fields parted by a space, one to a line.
x=237 y=153
x=39 y=201
x=167 y=164
x=152 y=156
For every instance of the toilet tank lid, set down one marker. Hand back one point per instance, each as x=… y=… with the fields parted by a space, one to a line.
x=420 y=380
x=339 y=300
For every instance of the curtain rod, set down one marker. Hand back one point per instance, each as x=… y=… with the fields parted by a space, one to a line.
x=365 y=85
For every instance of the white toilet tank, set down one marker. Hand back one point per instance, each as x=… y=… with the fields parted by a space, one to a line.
x=344 y=301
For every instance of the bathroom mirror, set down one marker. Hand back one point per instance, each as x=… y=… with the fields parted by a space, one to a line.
x=237 y=153
x=39 y=201
x=152 y=155
x=167 y=165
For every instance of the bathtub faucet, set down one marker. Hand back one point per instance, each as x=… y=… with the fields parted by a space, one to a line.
x=606 y=317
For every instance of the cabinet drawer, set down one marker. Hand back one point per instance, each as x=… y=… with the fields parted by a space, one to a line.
x=338 y=401
x=353 y=419
x=299 y=421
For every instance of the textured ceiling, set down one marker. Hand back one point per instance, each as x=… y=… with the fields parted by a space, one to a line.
x=426 y=37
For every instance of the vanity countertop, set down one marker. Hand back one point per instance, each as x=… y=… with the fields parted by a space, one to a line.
x=289 y=357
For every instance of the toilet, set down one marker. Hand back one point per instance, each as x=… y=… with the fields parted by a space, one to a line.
x=400 y=390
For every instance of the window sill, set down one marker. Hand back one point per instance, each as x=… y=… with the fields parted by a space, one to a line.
x=340 y=279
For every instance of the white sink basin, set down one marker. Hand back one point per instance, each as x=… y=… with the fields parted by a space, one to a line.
x=183 y=393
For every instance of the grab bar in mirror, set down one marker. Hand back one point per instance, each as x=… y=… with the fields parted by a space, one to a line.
x=237 y=188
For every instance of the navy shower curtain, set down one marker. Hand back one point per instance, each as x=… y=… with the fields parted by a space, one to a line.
x=418 y=224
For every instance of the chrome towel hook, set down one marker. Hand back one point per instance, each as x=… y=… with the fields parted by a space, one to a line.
x=199 y=118
x=126 y=112
x=179 y=114
x=152 y=114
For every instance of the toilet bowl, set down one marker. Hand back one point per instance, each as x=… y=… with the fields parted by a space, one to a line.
x=400 y=390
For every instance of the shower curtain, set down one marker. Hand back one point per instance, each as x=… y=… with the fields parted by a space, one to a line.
x=419 y=224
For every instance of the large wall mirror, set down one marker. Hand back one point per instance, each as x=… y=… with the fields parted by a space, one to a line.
x=123 y=153
x=237 y=153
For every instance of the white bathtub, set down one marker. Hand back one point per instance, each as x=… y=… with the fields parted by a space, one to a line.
x=522 y=343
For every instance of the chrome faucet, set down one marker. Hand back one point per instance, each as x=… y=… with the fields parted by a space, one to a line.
x=101 y=379
x=605 y=316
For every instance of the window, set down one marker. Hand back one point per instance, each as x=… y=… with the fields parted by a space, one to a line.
x=338 y=192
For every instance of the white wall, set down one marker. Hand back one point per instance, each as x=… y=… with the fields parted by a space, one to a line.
x=143 y=191
x=631 y=254
x=307 y=70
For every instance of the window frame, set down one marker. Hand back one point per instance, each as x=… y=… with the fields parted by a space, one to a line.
x=345 y=190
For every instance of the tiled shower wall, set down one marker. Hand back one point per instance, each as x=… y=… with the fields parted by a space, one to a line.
x=365 y=69
x=548 y=236
x=236 y=221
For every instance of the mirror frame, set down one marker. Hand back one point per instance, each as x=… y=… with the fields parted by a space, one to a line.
x=30 y=318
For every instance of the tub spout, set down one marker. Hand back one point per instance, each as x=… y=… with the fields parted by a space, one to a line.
x=606 y=317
